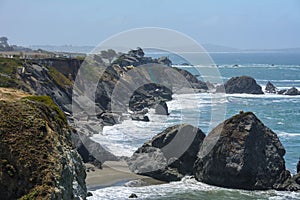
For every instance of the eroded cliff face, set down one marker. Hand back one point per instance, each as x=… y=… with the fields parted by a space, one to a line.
x=38 y=160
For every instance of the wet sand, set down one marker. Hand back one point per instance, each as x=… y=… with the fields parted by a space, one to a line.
x=114 y=173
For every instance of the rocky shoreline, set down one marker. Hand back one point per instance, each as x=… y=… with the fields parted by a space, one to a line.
x=240 y=153
x=238 y=159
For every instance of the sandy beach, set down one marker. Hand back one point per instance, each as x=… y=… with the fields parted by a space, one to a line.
x=114 y=173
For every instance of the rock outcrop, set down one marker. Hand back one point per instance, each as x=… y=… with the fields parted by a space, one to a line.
x=246 y=155
x=148 y=96
x=270 y=88
x=38 y=160
x=192 y=80
x=292 y=91
x=242 y=84
x=170 y=155
x=91 y=151
x=161 y=108
x=292 y=184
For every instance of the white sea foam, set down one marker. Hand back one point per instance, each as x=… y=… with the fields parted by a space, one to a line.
x=187 y=188
x=123 y=139
x=287 y=135
x=264 y=96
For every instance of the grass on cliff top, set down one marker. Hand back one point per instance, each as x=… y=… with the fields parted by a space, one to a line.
x=9 y=65
x=59 y=78
x=60 y=118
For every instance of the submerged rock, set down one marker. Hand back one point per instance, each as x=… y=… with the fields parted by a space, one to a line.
x=242 y=84
x=246 y=155
x=142 y=118
x=133 y=196
x=170 y=155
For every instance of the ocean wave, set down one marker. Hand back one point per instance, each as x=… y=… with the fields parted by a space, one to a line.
x=268 y=66
x=263 y=96
x=187 y=188
x=287 y=135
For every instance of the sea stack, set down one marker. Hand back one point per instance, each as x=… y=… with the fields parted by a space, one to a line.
x=247 y=155
x=242 y=84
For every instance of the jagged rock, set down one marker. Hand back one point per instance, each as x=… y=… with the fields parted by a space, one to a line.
x=169 y=155
x=89 y=194
x=291 y=184
x=242 y=153
x=282 y=91
x=165 y=61
x=210 y=85
x=161 y=108
x=109 y=119
x=133 y=196
x=140 y=118
x=298 y=166
x=270 y=88
x=91 y=151
x=292 y=91
x=193 y=81
x=149 y=95
x=242 y=84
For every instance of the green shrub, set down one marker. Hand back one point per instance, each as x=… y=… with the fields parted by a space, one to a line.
x=61 y=118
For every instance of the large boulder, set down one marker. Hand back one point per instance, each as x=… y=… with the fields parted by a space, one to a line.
x=298 y=166
x=242 y=84
x=242 y=153
x=170 y=155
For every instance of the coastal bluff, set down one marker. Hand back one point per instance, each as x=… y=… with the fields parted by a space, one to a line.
x=38 y=160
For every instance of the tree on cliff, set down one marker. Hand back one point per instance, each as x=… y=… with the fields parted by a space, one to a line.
x=4 y=46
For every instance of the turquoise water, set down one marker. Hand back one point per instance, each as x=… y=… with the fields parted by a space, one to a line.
x=278 y=112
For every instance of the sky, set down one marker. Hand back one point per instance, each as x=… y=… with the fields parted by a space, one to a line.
x=255 y=24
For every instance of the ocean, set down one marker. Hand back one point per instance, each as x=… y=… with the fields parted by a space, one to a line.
x=279 y=112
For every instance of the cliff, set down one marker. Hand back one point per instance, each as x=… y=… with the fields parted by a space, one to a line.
x=38 y=160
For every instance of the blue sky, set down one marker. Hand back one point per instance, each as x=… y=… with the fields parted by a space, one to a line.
x=234 y=23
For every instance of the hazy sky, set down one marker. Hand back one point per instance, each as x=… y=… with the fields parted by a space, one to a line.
x=234 y=23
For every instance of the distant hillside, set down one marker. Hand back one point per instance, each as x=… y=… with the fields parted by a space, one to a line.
x=211 y=48
x=64 y=48
x=219 y=48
